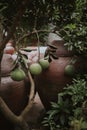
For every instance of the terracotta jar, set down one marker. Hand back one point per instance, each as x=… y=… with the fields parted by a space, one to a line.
x=52 y=81
x=14 y=93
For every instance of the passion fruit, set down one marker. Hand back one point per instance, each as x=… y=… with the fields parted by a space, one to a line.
x=18 y=74
x=35 y=68
x=44 y=63
x=69 y=70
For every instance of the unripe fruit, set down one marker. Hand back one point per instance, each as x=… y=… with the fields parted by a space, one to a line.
x=18 y=74
x=35 y=69
x=9 y=50
x=44 y=63
x=69 y=70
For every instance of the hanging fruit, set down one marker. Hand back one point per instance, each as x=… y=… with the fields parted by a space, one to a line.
x=69 y=70
x=35 y=68
x=18 y=74
x=44 y=63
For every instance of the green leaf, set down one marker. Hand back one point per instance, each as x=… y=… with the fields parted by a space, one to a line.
x=84 y=125
x=53 y=113
x=54 y=105
x=43 y=1
x=62 y=119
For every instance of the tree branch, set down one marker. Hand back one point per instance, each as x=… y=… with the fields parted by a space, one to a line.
x=31 y=33
x=12 y=29
x=19 y=120
x=31 y=97
x=11 y=116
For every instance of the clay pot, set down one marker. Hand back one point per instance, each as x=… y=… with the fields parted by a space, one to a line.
x=14 y=93
x=52 y=81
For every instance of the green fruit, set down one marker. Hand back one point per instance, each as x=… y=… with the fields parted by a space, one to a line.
x=35 y=69
x=18 y=74
x=69 y=70
x=44 y=63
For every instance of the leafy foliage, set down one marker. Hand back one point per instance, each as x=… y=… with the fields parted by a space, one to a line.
x=78 y=91
x=41 y=12
x=68 y=110
x=75 y=32
x=68 y=16
x=75 y=38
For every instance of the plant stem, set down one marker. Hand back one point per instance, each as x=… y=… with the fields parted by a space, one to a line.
x=38 y=44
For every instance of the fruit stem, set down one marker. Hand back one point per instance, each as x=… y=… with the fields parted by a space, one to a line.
x=38 y=44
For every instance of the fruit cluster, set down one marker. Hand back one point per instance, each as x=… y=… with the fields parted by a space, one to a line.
x=35 y=69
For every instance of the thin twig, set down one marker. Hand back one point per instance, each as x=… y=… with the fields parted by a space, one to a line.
x=29 y=34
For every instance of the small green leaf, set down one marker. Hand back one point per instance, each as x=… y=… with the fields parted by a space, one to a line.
x=43 y=1
x=54 y=105
x=84 y=125
x=62 y=119
x=53 y=113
